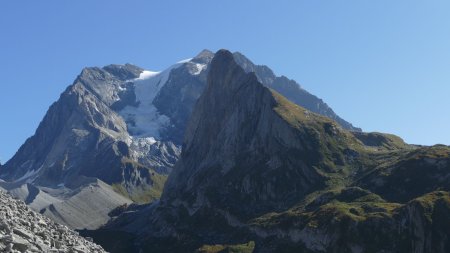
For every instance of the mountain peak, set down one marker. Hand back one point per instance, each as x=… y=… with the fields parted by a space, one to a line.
x=236 y=135
x=223 y=56
x=223 y=52
x=204 y=57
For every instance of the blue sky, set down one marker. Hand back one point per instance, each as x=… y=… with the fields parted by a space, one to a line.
x=382 y=65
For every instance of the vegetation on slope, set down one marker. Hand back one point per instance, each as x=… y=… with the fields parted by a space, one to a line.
x=219 y=248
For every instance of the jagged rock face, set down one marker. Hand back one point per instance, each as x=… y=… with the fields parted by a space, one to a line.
x=81 y=139
x=64 y=145
x=23 y=230
x=108 y=83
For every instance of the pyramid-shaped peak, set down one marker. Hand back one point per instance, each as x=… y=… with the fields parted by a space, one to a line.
x=204 y=57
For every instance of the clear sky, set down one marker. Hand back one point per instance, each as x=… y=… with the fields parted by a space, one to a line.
x=383 y=65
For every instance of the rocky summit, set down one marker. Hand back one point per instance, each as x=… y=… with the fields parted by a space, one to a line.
x=23 y=230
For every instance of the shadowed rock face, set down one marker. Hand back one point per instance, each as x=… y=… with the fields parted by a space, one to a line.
x=240 y=152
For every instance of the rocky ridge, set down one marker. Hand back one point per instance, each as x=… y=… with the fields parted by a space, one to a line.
x=23 y=230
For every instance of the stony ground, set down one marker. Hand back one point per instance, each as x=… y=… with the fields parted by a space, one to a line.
x=23 y=230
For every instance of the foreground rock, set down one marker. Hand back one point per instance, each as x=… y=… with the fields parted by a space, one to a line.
x=23 y=230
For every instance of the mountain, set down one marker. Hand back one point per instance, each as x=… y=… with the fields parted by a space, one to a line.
x=23 y=230
x=82 y=143
x=258 y=173
x=115 y=134
x=240 y=128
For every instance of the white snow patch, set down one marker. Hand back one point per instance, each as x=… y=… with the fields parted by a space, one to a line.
x=142 y=145
x=148 y=140
x=145 y=120
x=199 y=67
x=146 y=74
